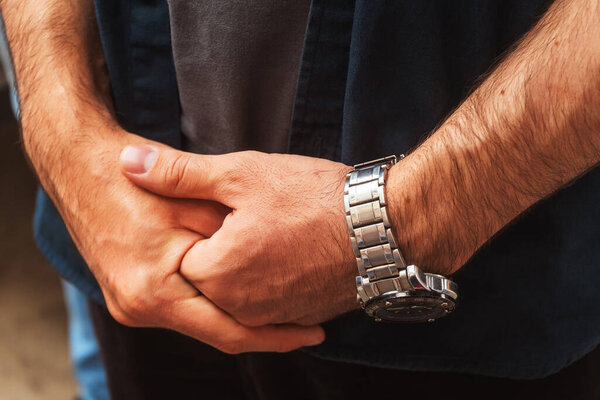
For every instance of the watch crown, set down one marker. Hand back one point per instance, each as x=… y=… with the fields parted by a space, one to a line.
x=359 y=300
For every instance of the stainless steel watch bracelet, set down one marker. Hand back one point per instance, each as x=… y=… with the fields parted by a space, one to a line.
x=387 y=288
x=380 y=264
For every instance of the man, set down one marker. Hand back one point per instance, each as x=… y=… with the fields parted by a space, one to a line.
x=249 y=252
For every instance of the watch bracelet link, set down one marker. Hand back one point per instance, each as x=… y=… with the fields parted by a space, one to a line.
x=380 y=263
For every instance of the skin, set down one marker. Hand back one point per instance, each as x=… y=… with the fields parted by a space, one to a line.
x=285 y=242
x=132 y=240
x=526 y=132
x=282 y=253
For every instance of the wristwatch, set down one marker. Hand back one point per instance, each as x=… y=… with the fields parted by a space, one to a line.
x=388 y=288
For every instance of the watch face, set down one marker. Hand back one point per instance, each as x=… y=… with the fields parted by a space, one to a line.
x=409 y=307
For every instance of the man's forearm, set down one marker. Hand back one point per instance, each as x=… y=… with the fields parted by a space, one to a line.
x=59 y=69
x=529 y=129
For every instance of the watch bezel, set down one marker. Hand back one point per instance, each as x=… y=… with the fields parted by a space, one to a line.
x=378 y=303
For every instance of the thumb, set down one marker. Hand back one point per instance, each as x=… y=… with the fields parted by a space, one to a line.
x=174 y=173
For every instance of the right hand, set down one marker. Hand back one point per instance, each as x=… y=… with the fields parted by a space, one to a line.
x=134 y=241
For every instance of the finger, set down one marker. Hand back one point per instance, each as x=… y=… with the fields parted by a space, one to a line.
x=176 y=173
x=201 y=216
x=211 y=261
x=207 y=257
x=201 y=319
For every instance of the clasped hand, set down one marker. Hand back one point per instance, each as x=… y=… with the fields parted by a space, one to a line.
x=282 y=254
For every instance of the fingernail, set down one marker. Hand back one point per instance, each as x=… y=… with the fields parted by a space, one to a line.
x=138 y=159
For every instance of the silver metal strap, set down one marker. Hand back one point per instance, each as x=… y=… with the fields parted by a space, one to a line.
x=378 y=258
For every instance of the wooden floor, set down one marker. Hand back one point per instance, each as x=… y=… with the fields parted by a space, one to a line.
x=34 y=362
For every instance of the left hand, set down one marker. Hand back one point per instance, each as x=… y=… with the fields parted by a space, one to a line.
x=283 y=253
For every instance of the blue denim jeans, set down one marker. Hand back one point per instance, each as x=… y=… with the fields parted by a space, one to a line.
x=83 y=346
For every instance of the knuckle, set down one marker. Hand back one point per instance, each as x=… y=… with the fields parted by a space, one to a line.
x=135 y=304
x=123 y=319
x=135 y=295
x=176 y=171
x=119 y=316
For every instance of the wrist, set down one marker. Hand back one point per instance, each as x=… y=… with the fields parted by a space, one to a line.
x=68 y=142
x=423 y=220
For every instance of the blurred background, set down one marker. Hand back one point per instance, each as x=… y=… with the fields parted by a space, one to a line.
x=34 y=359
